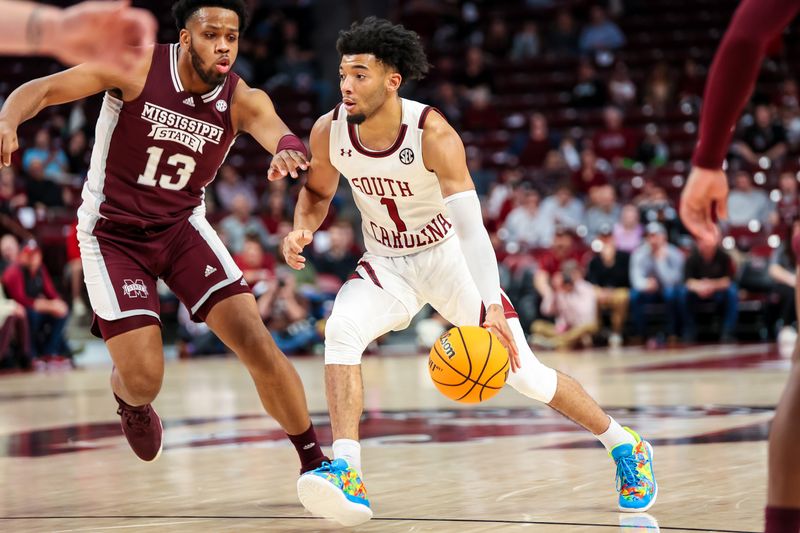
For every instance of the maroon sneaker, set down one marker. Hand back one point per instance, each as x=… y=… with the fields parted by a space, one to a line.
x=142 y=427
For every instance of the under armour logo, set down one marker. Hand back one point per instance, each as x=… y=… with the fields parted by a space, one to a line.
x=348 y=152
x=134 y=288
x=210 y=270
x=407 y=156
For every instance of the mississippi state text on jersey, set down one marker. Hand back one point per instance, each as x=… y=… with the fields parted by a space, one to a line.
x=154 y=156
x=401 y=204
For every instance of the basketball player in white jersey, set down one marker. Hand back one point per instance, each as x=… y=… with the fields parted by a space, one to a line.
x=426 y=243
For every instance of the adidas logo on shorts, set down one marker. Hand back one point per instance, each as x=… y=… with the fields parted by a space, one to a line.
x=210 y=270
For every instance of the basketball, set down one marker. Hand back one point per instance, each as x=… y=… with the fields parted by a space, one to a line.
x=468 y=364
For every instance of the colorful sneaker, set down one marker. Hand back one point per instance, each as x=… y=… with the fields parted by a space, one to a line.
x=142 y=427
x=636 y=482
x=335 y=490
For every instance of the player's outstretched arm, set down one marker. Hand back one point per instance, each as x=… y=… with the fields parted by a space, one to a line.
x=67 y=86
x=110 y=33
x=254 y=113
x=315 y=196
x=443 y=153
x=730 y=82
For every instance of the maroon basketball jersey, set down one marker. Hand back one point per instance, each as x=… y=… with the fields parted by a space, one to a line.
x=154 y=156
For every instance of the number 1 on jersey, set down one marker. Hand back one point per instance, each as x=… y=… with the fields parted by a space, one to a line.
x=394 y=214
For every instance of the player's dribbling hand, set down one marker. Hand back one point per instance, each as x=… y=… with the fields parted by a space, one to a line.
x=292 y=247
x=8 y=143
x=110 y=33
x=702 y=189
x=496 y=323
x=286 y=162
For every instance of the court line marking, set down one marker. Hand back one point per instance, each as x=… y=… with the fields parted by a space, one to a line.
x=376 y=519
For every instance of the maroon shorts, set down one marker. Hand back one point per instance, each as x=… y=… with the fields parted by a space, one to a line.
x=122 y=264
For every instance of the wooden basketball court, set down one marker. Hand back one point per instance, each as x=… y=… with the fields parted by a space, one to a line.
x=430 y=464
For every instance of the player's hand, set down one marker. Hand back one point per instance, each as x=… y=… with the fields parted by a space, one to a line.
x=496 y=323
x=286 y=162
x=8 y=143
x=292 y=246
x=110 y=33
x=702 y=189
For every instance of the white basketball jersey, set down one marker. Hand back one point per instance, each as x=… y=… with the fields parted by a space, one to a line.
x=402 y=210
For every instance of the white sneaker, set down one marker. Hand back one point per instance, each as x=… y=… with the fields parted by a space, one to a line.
x=615 y=340
x=787 y=337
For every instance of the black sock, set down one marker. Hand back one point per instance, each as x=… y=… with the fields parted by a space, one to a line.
x=308 y=449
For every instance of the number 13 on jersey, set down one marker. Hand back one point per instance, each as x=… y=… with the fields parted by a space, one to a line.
x=184 y=167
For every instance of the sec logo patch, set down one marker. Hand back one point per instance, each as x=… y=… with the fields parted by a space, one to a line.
x=407 y=156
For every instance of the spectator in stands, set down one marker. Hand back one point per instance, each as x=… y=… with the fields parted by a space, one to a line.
x=765 y=138
x=523 y=224
x=659 y=91
x=276 y=211
x=11 y=198
x=257 y=266
x=449 y=101
x=656 y=273
x=590 y=91
x=73 y=271
x=563 y=38
x=526 y=42
x=782 y=269
x=652 y=151
x=601 y=33
x=195 y=338
x=609 y=274
x=708 y=274
x=613 y=142
x=481 y=115
x=286 y=313
x=53 y=161
x=229 y=185
x=603 y=213
x=240 y=223
x=476 y=73
x=655 y=206
x=621 y=89
x=78 y=155
x=693 y=81
x=747 y=202
x=589 y=176
x=533 y=148
x=628 y=230
x=28 y=283
x=788 y=96
x=15 y=350
x=573 y=304
x=341 y=257
x=482 y=177
x=497 y=41
x=42 y=192
x=562 y=209
x=500 y=202
x=563 y=249
x=786 y=203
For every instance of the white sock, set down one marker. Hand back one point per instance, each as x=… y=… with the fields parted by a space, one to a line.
x=350 y=451
x=613 y=436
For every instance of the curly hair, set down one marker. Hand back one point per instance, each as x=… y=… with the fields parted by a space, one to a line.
x=392 y=44
x=182 y=10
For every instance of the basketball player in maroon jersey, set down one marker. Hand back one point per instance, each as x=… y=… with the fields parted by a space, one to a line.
x=162 y=134
x=111 y=33
x=733 y=74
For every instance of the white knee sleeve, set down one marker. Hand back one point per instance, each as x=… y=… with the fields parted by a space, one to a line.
x=344 y=341
x=533 y=379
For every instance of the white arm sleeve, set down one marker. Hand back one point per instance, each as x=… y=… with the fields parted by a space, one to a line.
x=464 y=210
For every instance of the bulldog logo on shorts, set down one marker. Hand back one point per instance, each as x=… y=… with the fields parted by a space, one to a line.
x=135 y=289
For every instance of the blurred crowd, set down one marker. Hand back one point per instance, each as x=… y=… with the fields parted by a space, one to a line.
x=578 y=137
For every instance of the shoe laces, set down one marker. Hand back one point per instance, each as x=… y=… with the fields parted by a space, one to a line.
x=136 y=419
x=627 y=474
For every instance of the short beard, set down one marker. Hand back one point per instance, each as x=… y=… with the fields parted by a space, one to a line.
x=356 y=119
x=210 y=78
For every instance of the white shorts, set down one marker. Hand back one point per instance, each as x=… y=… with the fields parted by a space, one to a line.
x=387 y=292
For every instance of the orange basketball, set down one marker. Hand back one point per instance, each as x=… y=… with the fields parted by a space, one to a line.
x=468 y=364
